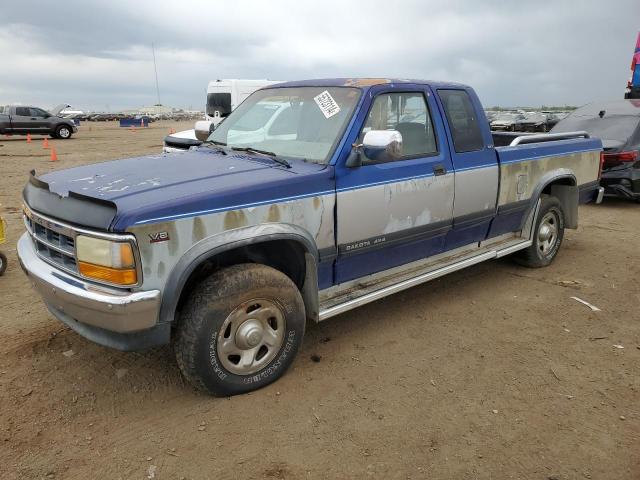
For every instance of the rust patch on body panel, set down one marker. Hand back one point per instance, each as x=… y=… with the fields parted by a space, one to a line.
x=235 y=219
x=199 y=230
x=273 y=215
x=365 y=82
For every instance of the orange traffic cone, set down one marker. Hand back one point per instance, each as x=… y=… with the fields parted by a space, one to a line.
x=45 y=143
x=54 y=155
x=28 y=138
x=142 y=123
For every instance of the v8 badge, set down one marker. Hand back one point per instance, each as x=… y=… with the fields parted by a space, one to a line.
x=158 y=237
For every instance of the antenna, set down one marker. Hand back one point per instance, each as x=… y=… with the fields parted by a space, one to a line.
x=155 y=68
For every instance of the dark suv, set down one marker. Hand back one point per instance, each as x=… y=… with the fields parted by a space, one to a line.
x=617 y=123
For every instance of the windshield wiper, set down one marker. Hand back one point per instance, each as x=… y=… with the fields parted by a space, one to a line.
x=216 y=145
x=271 y=155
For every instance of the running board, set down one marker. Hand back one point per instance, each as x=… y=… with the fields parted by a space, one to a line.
x=374 y=295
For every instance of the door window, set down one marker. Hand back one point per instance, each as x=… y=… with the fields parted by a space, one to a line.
x=38 y=112
x=463 y=121
x=23 y=111
x=407 y=113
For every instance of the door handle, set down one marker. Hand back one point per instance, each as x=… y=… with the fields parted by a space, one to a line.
x=439 y=169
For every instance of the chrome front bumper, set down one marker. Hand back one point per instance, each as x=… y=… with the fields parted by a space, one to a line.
x=81 y=304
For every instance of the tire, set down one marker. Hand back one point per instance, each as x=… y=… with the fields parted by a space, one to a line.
x=547 y=236
x=239 y=330
x=64 y=132
x=3 y=263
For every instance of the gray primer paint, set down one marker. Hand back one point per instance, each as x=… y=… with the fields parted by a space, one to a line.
x=583 y=166
x=393 y=207
x=476 y=190
x=314 y=215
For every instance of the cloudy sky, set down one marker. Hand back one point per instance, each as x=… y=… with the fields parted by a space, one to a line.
x=97 y=54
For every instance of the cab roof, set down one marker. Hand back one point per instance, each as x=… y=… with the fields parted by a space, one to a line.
x=365 y=83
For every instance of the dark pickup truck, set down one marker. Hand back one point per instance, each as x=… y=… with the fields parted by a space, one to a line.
x=20 y=120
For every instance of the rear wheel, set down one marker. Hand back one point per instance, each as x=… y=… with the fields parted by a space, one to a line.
x=240 y=329
x=547 y=236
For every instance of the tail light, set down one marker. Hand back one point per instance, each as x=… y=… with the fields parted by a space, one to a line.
x=601 y=164
x=617 y=158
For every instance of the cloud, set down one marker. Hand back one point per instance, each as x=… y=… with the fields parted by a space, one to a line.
x=97 y=55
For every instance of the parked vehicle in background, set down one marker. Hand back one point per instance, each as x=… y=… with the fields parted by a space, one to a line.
x=223 y=96
x=21 y=120
x=491 y=115
x=532 y=122
x=617 y=123
x=507 y=121
x=633 y=85
x=553 y=117
x=180 y=141
x=311 y=198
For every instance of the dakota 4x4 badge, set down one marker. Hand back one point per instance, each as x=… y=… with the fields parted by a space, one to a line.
x=158 y=237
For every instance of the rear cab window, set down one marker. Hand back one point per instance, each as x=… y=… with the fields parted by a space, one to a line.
x=463 y=120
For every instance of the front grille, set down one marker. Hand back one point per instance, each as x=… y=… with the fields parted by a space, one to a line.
x=54 y=243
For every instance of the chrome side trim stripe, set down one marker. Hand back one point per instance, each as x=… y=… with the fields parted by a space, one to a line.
x=514 y=248
x=419 y=279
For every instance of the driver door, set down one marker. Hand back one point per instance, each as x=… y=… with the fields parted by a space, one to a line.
x=39 y=120
x=394 y=212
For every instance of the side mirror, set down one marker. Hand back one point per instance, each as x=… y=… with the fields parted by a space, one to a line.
x=203 y=129
x=382 y=145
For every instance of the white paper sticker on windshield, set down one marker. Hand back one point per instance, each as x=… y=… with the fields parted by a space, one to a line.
x=327 y=104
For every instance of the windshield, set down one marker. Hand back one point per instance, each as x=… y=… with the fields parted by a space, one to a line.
x=610 y=127
x=300 y=122
x=220 y=103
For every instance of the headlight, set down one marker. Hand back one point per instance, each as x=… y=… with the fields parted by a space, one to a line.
x=106 y=260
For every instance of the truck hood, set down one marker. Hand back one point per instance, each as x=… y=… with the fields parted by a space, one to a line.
x=164 y=187
x=59 y=108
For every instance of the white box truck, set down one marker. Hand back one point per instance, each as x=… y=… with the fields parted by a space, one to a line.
x=223 y=96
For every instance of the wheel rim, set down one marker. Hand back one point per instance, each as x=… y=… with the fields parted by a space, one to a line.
x=63 y=132
x=251 y=336
x=548 y=233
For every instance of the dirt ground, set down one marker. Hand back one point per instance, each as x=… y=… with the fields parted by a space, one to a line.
x=489 y=373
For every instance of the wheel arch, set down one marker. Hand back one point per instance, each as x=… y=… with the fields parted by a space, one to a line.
x=267 y=244
x=563 y=185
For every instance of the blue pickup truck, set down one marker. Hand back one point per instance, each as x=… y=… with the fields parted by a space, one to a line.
x=311 y=199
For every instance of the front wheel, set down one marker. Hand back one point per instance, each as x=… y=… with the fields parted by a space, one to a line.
x=547 y=235
x=239 y=330
x=64 y=132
